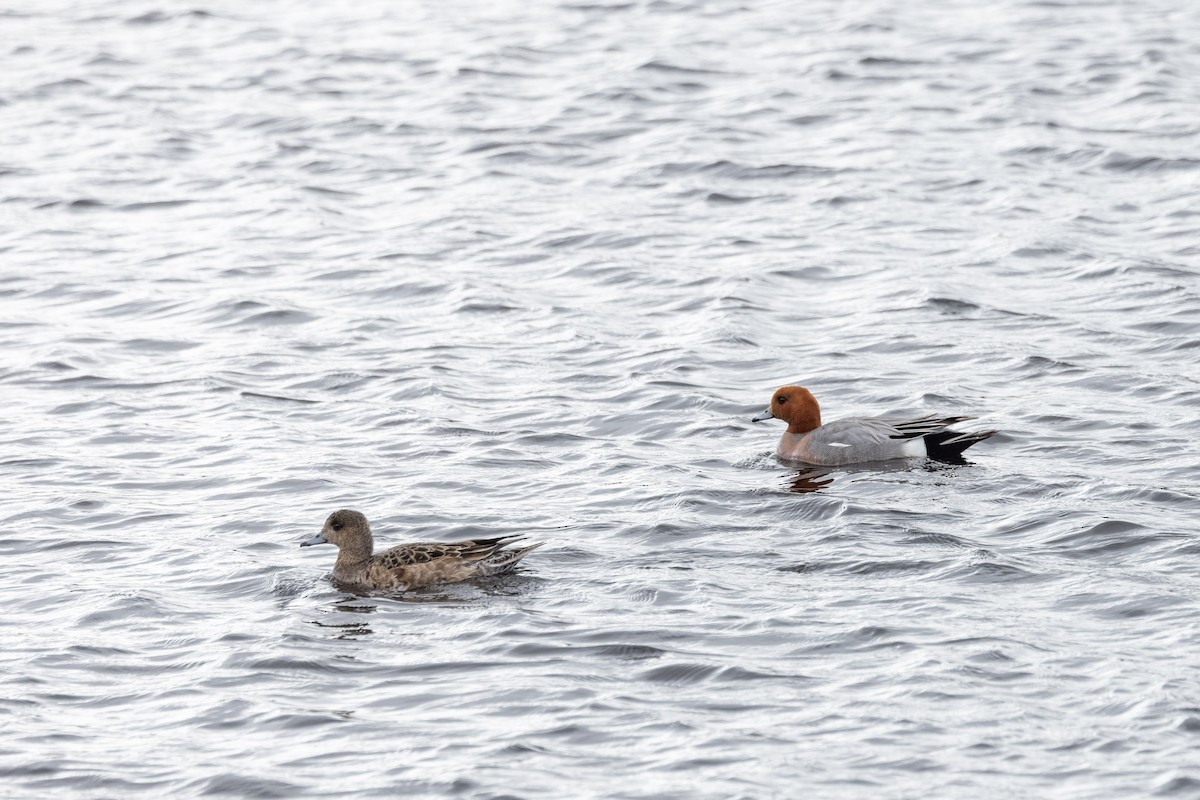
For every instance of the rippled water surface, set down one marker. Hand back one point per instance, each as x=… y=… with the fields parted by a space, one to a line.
x=479 y=269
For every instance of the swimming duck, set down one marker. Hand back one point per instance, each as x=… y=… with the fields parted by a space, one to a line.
x=408 y=566
x=856 y=439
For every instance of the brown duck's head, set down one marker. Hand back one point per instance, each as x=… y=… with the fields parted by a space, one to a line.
x=346 y=529
x=796 y=406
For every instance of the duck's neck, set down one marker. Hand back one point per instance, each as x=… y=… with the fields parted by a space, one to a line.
x=353 y=557
x=807 y=418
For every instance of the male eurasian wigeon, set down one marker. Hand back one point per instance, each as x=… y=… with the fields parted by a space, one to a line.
x=408 y=566
x=855 y=439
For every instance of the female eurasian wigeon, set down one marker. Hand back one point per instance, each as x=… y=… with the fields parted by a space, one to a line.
x=408 y=566
x=855 y=439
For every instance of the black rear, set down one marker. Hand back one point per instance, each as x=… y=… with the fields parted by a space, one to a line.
x=948 y=446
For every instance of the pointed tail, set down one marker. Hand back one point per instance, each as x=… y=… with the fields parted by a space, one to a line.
x=949 y=445
x=503 y=561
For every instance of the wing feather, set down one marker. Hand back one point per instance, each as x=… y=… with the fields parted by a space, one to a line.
x=405 y=555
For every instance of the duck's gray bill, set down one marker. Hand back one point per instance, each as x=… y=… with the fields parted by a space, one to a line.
x=318 y=539
x=764 y=415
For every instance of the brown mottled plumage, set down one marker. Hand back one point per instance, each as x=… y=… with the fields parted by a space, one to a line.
x=408 y=566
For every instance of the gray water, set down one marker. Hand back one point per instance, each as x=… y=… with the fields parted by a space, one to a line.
x=479 y=269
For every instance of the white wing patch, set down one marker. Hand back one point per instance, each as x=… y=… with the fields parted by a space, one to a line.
x=839 y=444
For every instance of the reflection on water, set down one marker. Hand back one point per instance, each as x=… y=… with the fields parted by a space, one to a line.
x=347 y=629
x=809 y=480
x=356 y=608
x=816 y=479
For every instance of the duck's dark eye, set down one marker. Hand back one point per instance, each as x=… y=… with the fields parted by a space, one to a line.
x=780 y=400
x=337 y=525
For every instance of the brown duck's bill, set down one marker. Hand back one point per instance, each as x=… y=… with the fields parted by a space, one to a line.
x=763 y=416
x=318 y=539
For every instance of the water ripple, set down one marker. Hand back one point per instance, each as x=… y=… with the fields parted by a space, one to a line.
x=530 y=270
